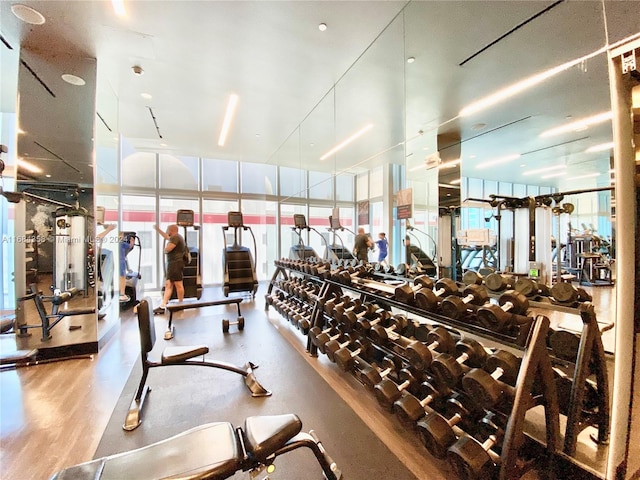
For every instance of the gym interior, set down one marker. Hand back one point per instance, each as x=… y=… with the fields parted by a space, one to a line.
x=492 y=335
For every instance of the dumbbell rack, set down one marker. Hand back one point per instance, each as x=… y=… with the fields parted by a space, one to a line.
x=535 y=375
x=535 y=369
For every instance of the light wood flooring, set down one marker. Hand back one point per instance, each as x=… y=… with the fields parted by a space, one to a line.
x=53 y=415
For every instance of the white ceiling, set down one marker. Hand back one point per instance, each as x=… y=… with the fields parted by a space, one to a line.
x=302 y=90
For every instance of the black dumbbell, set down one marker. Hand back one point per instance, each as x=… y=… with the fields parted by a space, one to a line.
x=565 y=345
x=388 y=391
x=471 y=277
x=371 y=375
x=527 y=286
x=566 y=293
x=380 y=334
x=472 y=460
x=324 y=337
x=406 y=293
x=347 y=274
x=351 y=318
x=438 y=433
x=364 y=324
x=226 y=323
x=334 y=345
x=510 y=305
x=428 y=299
x=448 y=370
x=332 y=303
x=409 y=409
x=340 y=311
x=488 y=388
x=420 y=354
x=496 y=282
x=454 y=306
x=345 y=357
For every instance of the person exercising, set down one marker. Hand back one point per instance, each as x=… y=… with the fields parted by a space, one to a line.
x=383 y=248
x=362 y=245
x=174 y=250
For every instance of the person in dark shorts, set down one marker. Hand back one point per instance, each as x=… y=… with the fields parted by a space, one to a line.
x=362 y=245
x=174 y=249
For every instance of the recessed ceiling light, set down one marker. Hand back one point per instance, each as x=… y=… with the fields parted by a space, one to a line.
x=522 y=165
x=28 y=14
x=478 y=126
x=472 y=157
x=163 y=144
x=322 y=27
x=137 y=70
x=48 y=175
x=73 y=79
x=147 y=96
x=411 y=59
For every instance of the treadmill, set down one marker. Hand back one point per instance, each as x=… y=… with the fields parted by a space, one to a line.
x=335 y=252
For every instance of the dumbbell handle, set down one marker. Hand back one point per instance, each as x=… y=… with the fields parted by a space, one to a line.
x=439 y=292
x=487 y=445
x=454 y=420
x=468 y=299
x=462 y=358
x=497 y=373
x=427 y=400
x=507 y=306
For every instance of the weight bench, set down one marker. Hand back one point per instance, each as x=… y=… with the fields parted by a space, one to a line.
x=185 y=305
x=181 y=355
x=211 y=451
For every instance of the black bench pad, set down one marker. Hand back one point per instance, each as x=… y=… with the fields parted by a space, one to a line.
x=206 y=451
x=267 y=433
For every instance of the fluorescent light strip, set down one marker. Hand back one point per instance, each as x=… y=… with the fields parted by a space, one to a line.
x=551 y=175
x=498 y=160
x=522 y=85
x=600 y=148
x=28 y=166
x=118 y=7
x=542 y=170
x=589 y=175
x=449 y=164
x=346 y=142
x=578 y=124
x=228 y=117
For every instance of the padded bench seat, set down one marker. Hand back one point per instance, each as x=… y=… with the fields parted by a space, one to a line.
x=204 y=452
x=210 y=451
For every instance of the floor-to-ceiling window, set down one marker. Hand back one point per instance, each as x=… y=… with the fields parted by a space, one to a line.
x=214 y=217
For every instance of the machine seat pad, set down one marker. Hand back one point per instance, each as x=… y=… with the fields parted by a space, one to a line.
x=268 y=433
x=180 y=354
x=205 y=452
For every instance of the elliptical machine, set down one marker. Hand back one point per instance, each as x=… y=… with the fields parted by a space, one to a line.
x=238 y=263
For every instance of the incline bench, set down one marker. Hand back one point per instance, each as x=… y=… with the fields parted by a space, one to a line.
x=187 y=304
x=212 y=451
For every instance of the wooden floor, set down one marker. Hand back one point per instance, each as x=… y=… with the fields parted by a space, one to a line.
x=53 y=415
